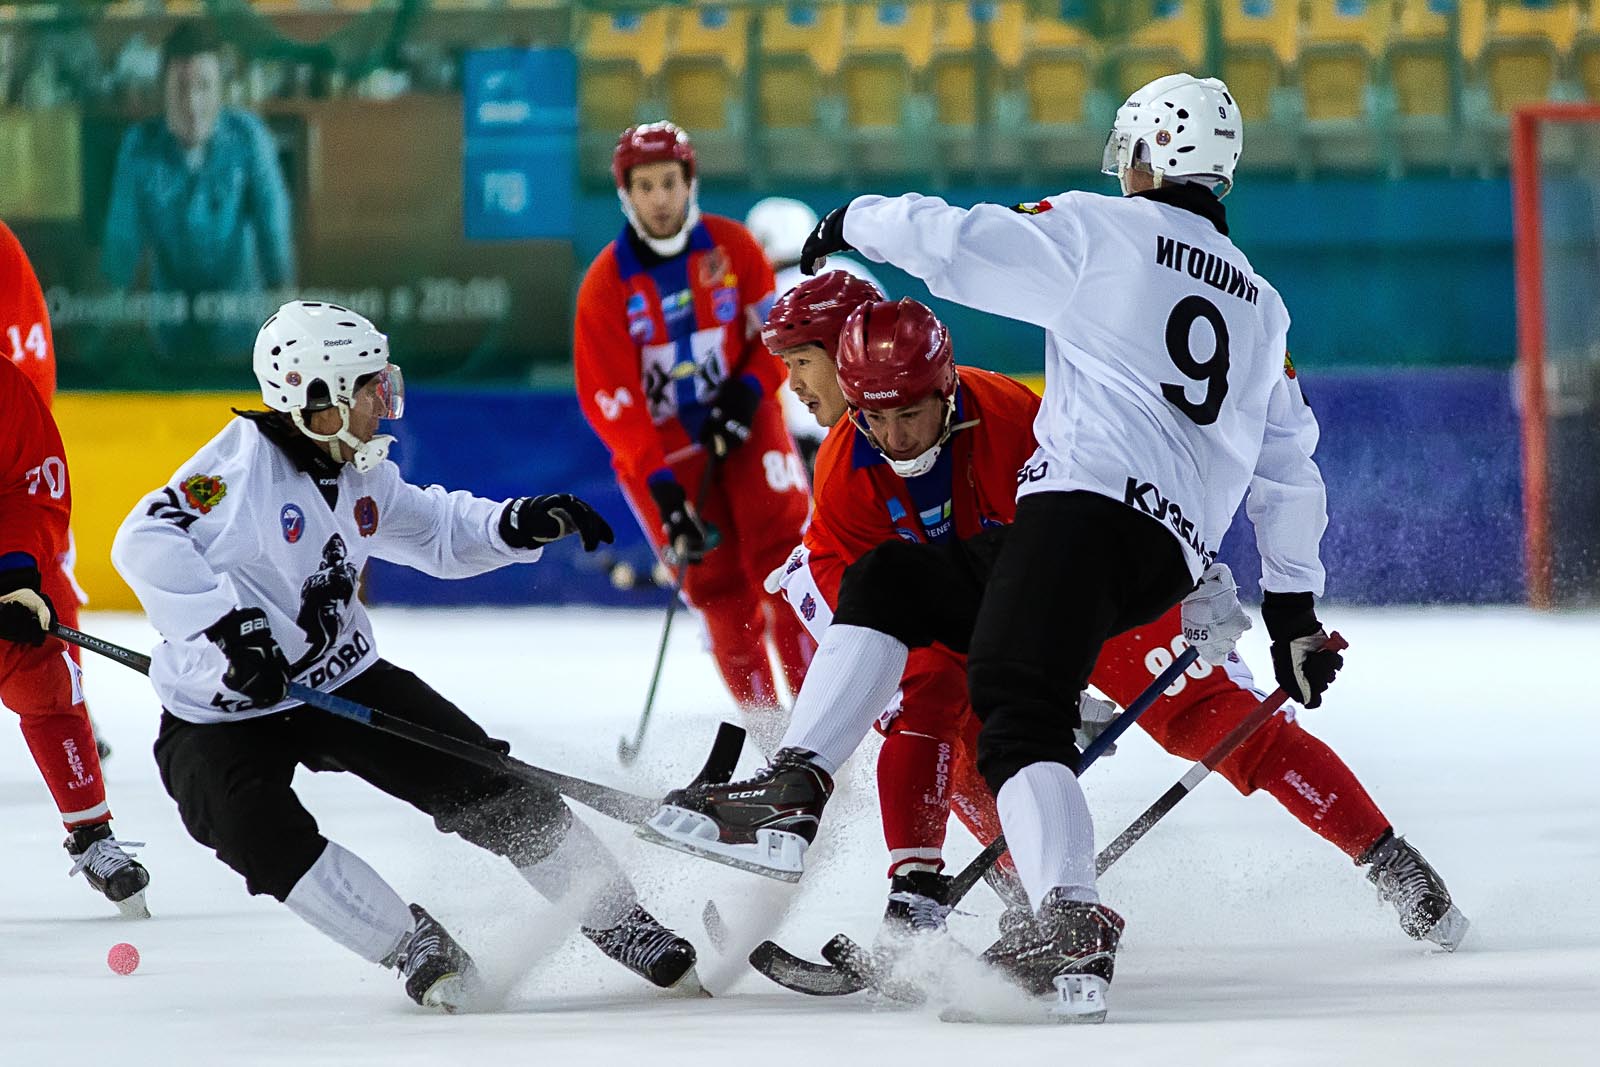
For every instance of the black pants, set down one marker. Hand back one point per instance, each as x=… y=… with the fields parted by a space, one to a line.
x=233 y=781
x=1030 y=605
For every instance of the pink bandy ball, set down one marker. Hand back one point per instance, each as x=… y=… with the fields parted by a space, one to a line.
x=123 y=958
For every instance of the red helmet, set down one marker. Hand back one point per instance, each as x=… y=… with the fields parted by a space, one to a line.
x=654 y=142
x=894 y=353
x=814 y=311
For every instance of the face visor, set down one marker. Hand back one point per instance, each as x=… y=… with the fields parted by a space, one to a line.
x=389 y=387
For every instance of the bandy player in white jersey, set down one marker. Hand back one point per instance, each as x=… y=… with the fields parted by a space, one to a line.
x=1168 y=397
x=248 y=563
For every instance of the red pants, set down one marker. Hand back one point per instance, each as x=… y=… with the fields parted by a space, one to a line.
x=758 y=501
x=42 y=686
x=927 y=768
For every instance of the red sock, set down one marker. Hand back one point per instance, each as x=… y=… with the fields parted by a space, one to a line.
x=738 y=643
x=1308 y=778
x=63 y=746
x=793 y=643
x=914 y=795
x=974 y=805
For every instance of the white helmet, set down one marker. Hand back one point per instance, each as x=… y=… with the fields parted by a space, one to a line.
x=780 y=226
x=308 y=344
x=1185 y=128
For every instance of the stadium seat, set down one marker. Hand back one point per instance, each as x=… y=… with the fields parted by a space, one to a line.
x=1171 y=39
x=802 y=46
x=1341 y=45
x=704 y=67
x=1424 y=55
x=621 y=56
x=970 y=35
x=1260 y=42
x=1586 y=54
x=1059 y=71
x=886 y=45
x=1525 y=53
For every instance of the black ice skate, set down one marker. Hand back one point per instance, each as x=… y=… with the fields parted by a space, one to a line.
x=109 y=868
x=919 y=904
x=762 y=824
x=1407 y=881
x=1068 y=954
x=648 y=949
x=438 y=972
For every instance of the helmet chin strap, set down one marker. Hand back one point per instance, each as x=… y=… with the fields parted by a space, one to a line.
x=665 y=246
x=923 y=463
x=364 y=455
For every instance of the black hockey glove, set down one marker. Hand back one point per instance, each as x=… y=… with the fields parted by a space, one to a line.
x=824 y=241
x=732 y=414
x=1299 y=662
x=26 y=614
x=686 y=536
x=256 y=666
x=531 y=521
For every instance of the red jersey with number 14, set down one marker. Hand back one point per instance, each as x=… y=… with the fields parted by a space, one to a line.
x=24 y=324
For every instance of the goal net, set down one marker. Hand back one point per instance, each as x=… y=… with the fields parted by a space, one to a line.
x=1555 y=174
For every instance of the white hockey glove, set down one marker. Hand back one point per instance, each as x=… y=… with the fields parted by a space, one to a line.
x=1094 y=715
x=1213 y=620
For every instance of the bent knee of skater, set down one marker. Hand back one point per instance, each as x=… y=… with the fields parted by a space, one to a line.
x=1011 y=741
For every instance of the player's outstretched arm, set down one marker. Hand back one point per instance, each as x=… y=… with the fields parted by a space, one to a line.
x=1014 y=263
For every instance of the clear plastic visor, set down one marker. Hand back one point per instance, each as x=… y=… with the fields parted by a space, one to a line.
x=1116 y=150
x=388 y=388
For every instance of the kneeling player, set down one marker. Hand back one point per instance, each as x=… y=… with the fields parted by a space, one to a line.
x=247 y=563
x=926 y=478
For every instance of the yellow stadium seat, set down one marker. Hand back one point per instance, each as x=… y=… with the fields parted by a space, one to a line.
x=875 y=91
x=971 y=37
x=705 y=65
x=1422 y=50
x=1260 y=41
x=1526 y=49
x=894 y=27
x=1340 y=45
x=1172 y=39
x=802 y=45
x=637 y=37
x=1059 y=69
x=1586 y=54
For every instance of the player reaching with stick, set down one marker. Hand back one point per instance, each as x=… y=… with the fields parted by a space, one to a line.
x=247 y=564
x=672 y=375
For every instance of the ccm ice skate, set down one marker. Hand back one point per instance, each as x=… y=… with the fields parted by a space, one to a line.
x=109 y=869
x=438 y=972
x=1410 y=883
x=762 y=824
x=1068 y=954
x=640 y=943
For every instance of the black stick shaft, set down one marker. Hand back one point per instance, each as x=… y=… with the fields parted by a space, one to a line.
x=619 y=805
x=974 y=871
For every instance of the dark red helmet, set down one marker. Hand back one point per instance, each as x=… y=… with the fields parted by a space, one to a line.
x=814 y=311
x=894 y=353
x=654 y=142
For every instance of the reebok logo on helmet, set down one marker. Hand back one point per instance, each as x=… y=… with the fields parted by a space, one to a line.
x=331 y=341
x=881 y=394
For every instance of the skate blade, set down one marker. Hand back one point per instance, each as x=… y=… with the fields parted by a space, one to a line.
x=1080 y=999
x=687 y=988
x=133 y=907
x=452 y=994
x=775 y=853
x=1449 y=931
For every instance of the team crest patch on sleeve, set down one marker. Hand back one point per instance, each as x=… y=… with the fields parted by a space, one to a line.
x=1038 y=207
x=1288 y=367
x=808 y=607
x=293 y=521
x=366 y=512
x=204 y=491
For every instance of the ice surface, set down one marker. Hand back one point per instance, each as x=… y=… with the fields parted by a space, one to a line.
x=1250 y=941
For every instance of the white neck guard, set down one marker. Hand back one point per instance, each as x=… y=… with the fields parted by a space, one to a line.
x=666 y=246
x=364 y=455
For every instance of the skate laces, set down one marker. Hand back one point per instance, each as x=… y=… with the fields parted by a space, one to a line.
x=635 y=943
x=1405 y=878
x=104 y=857
x=923 y=912
x=425 y=941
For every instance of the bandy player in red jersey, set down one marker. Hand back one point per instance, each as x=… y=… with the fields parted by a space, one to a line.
x=38 y=679
x=671 y=372
x=929 y=457
x=25 y=336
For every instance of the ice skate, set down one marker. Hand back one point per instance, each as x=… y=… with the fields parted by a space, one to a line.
x=763 y=824
x=640 y=943
x=438 y=972
x=109 y=868
x=1068 y=955
x=1418 y=894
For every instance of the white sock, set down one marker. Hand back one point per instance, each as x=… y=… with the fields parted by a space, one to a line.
x=1047 y=825
x=583 y=879
x=351 y=903
x=851 y=680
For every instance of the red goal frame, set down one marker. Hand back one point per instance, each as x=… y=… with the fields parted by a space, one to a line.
x=1528 y=239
